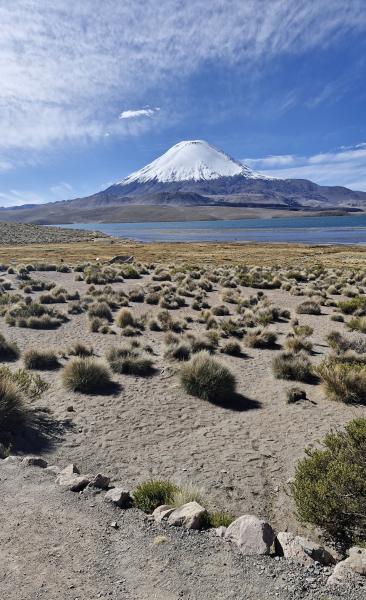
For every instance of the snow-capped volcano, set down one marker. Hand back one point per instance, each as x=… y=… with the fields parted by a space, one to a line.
x=193 y=160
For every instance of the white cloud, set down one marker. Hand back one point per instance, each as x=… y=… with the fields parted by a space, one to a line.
x=66 y=66
x=345 y=166
x=134 y=114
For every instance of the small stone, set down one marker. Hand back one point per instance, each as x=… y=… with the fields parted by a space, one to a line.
x=114 y=524
x=100 y=481
x=119 y=497
x=34 y=461
x=190 y=516
x=53 y=469
x=301 y=549
x=71 y=469
x=70 y=408
x=160 y=539
x=220 y=531
x=251 y=534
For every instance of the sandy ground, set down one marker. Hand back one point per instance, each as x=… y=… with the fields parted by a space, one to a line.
x=241 y=457
x=58 y=545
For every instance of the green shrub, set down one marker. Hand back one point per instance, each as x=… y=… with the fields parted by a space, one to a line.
x=349 y=307
x=153 y=493
x=204 y=377
x=8 y=350
x=297 y=367
x=330 y=484
x=86 y=375
x=41 y=359
x=344 y=378
x=219 y=519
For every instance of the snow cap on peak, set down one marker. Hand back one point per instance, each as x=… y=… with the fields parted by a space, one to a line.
x=190 y=160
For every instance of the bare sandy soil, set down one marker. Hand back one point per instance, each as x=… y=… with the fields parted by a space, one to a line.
x=241 y=456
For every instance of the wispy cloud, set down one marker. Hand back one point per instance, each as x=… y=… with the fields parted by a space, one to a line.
x=16 y=197
x=135 y=114
x=344 y=166
x=67 y=67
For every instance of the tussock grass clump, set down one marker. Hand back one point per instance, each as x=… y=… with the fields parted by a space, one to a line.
x=232 y=347
x=220 y=311
x=79 y=349
x=205 y=377
x=125 y=318
x=219 y=519
x=357 y=324
x=338 y=318
x=330 y=485
x=31 y=385
x=86 y=375
x=13 y=411
x=41 y=360
x=100 y=310
x=302 y=330
x=297 y=344
x=179 y=350
x=260 y=339
x=295 y=394
x=187 y=493
x=35 y=316
x=308 y=308
x=8 y=350
x=344 y=378
x=130 y=360
x=153 y=493
x=297 y=367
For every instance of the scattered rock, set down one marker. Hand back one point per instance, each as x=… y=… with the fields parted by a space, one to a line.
x=114 y=524
x=53 y=469
x=251 y=534
x=162 y=513
x=34 y=461
x=301 y=549
x=160 y=539
x=190 y=516
x=71 y=469
x=100 y=481
x=74 y=483
x=118 y=497
x=70 y=408
x=350 y=570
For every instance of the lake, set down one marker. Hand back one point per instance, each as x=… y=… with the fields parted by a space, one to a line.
x=349 y=229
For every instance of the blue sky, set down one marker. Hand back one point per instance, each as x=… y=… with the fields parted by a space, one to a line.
x=91 y=90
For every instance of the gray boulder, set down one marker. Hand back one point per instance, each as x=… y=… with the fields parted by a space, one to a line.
x=251 y=534
x=100 y=481
x=191 y=516
x=351 y=570
x=74 y=483
x=119 y=497
x=34 y=461
x=161 y=513
x=301 y=549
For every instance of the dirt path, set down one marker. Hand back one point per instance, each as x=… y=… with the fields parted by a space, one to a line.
x=56 y=545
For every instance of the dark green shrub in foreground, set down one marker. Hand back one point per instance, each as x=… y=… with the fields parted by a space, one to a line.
x=86 y=375
x=153 y=493
x=330 y=484
x=203 y=376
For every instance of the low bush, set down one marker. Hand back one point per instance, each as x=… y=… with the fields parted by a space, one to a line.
x=205 y=377
x=187 y=493
x=330 y=485
x=260 y=339
x=153 y=493
x=86 y=375
x=295 y=394
x=31 y=385
x=302 y=330
x=41 y=360
x=297 y=367
x=349 y=307
x=357 y=324
x=178 y=351
x=219 y=519
x=125 y=318
x=100 y=310
x=8 y=350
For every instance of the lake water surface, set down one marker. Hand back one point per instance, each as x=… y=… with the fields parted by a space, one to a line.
x=349 y=229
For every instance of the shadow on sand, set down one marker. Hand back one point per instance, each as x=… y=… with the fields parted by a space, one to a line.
x=236 y=402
